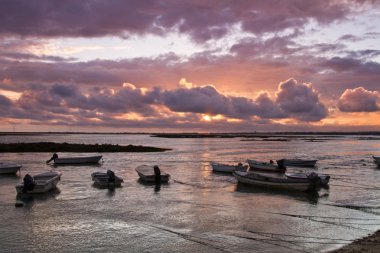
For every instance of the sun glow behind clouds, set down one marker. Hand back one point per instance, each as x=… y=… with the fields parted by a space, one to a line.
x=209 y=118
x=10 y=94
x=130 y=116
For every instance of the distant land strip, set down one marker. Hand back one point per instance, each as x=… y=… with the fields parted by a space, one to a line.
x=195 y=134
x=69 y=147
x=278 y=135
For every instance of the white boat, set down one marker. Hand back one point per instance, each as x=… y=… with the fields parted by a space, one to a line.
x=264 y=166
x=299 y=162
x=322 y=179
x=376 y=160
x=77 y=160
x=39 y=183
x=147 y=174
x=106 y=179
x=221 y=167
x=274 y=181
x=9 y=168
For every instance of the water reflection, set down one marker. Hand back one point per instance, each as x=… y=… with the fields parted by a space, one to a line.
x=111 y=192
x=310 y=196
x=7 y=177
x=157 y=186
x=206 y=208
x=29 y=200
x=110 y=187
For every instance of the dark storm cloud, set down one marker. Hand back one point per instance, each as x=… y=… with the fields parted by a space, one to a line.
x=203 y=20
x=359 y=100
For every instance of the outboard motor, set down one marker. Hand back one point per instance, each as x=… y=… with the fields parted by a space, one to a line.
x=111 y=176
x=29 y=183
x=280 y=164
x=314 y=177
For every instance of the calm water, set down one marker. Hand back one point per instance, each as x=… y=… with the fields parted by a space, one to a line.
x=198 y=210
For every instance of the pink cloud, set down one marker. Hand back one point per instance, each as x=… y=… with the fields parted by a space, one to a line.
x=359 y=100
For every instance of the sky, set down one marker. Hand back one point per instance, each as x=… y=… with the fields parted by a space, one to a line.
x=189 y=66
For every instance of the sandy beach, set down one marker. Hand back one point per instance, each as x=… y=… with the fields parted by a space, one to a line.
x=370 y=244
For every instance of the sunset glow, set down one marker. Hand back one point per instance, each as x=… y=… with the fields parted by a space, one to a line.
x=190 y=66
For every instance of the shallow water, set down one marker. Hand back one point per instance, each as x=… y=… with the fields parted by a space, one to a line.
x=198 y=210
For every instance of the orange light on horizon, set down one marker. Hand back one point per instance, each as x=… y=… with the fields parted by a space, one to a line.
x=354 y=119
x=129 y=116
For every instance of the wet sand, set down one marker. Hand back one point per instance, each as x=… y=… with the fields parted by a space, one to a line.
x=370 y=244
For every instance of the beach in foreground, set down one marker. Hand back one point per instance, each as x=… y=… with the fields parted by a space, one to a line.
x=370 y=244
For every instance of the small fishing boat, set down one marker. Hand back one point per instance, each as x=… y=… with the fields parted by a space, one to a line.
x=150 y=174
x=376 y=160
x=77 y=160
x=106 y=179
x=299 y=162
x=264 y=166
x=9 y=168
x=221 y=167
x=321 y=179
x=274 y=181
x=39 y=183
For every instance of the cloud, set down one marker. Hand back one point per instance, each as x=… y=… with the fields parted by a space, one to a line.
x=359 y=100
x=199 y=19
x=350 y=37
x=346 y=64
x=5 y=102
x=111 y=106
x=300 y=101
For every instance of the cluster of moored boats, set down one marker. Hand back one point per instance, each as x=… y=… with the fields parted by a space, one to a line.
x=46 y=181
x=274 y=175
x=256 y=173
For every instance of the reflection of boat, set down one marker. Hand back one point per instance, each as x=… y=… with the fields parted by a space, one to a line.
x=299 y=162
x=147 y=174
x=376 y=159
x=274 y=181
x=221 y=167
x=39 y=183
x=106 y=179
x=322 y=180
x=264 y=166
x=9 y=168
x=78 y=160
x=310 y=196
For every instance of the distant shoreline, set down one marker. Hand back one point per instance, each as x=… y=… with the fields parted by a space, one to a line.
x=197 y=134
x=69 y=147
